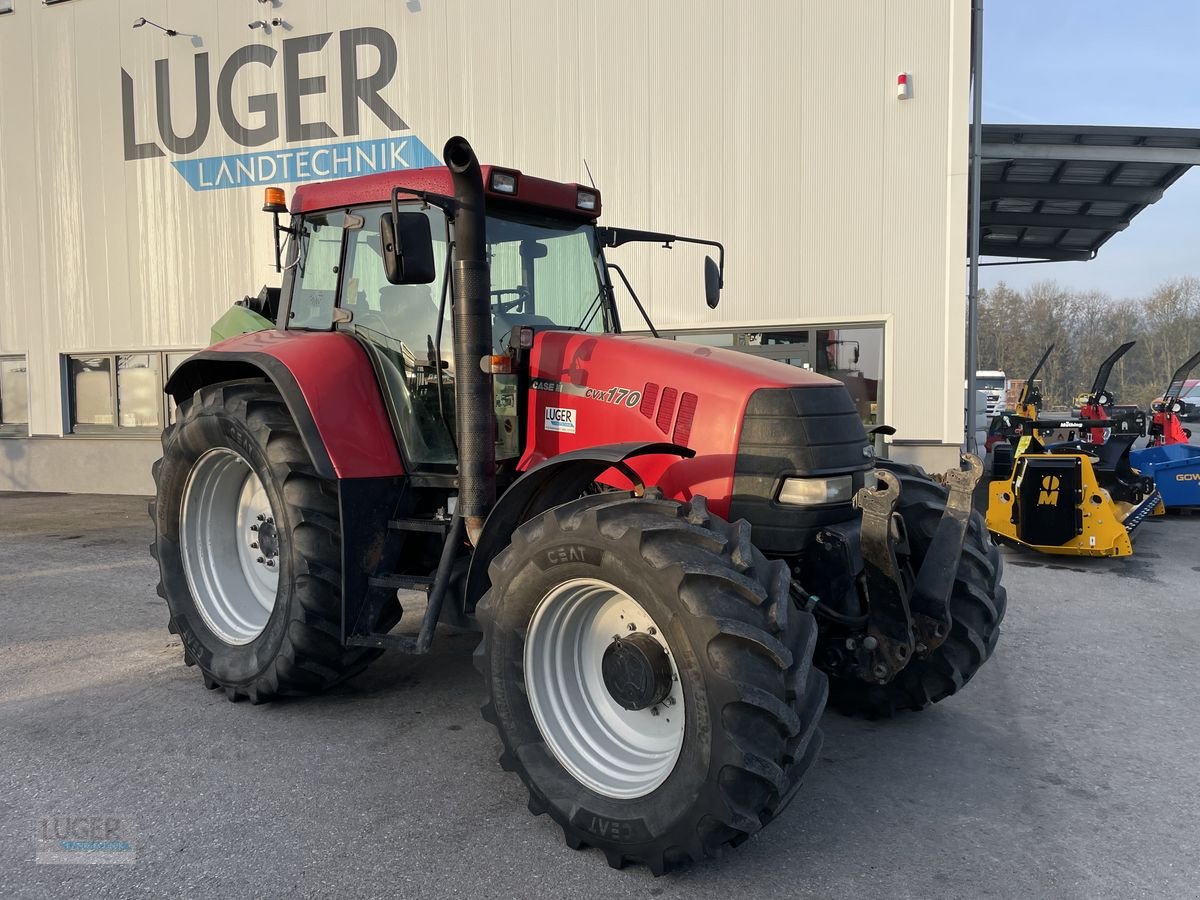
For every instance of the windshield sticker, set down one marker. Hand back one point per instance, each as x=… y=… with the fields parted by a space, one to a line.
x=619 y=396
x=557 y=419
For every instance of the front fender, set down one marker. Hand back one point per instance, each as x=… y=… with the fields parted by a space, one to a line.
x=329 y=387
x=551 y=483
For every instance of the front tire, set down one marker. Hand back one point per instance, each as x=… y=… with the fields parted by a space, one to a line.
x=733 y=654
x=248 y=542
x=977 y=605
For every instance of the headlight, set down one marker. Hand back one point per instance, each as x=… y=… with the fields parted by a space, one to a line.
x=817 y=491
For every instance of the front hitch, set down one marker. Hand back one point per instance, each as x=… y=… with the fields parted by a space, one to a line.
x=902 y=623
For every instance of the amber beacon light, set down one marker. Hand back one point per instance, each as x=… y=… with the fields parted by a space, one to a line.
x=274 y=200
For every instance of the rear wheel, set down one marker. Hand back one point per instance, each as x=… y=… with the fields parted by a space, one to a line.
x=649 y=676
x=248 y=542
x=977 y=605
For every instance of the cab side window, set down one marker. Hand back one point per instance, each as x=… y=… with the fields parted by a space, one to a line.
x=402 y=312
x=318 y=263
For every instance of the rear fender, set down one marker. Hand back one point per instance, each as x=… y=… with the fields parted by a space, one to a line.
x=330 y=389
x=551 y=483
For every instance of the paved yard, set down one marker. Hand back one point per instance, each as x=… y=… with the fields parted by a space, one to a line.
x=1066 y=769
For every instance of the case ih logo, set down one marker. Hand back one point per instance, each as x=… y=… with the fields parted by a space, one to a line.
x=260 y=119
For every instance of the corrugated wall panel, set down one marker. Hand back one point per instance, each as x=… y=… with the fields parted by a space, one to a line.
x=772 y=126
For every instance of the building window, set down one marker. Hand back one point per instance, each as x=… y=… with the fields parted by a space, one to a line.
x=852 y=354
x=6 y=6
x=14 y=394
x=120 y=392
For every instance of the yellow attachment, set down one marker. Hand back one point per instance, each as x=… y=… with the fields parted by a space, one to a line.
x=1103 y=520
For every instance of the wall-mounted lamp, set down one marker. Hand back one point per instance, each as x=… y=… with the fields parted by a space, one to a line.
x=142 y=20
x=266 y=26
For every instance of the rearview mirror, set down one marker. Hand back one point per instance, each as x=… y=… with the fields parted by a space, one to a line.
x=407 y=244
x=712 y=282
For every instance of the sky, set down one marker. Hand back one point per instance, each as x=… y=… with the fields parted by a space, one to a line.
x=1102 y=62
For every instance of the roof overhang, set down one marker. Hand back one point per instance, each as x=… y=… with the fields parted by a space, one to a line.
x=1058 y=192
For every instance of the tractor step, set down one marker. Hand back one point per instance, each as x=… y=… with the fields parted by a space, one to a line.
x=405 y=643
x=432 y=526
x=401 y=582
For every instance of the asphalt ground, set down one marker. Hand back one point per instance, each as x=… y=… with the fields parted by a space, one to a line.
x=1067 y=768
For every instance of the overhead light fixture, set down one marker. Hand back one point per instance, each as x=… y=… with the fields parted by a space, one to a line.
x=142 y=20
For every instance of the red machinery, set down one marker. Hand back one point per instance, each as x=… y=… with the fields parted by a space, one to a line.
x=673 y=552
x=1165 y=426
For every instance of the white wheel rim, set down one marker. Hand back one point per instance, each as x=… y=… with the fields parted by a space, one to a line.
x=611 y=750
x=229 y=545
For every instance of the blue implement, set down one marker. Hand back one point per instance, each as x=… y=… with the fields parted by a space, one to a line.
x=1175 y=469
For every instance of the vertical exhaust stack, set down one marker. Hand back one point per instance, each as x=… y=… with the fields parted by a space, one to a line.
x=475 y=413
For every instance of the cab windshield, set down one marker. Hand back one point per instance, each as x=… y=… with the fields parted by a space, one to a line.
x=544 y=274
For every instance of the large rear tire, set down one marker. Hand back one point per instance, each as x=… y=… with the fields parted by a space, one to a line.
x=248 y=542
x=721 y=749
x=977 y=606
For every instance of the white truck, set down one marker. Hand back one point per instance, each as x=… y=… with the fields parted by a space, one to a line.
x=993 y=383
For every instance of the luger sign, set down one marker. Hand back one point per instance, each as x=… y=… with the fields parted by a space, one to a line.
x=261 y=119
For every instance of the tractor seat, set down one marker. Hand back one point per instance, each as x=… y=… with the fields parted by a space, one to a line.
x=411 y=314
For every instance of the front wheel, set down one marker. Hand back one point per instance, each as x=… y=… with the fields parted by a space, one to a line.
x=248 y=543
x=650 y=678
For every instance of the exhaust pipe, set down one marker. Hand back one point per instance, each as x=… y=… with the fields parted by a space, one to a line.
x=475 y=414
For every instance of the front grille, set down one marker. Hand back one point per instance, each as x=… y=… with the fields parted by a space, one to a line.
x=798 y=431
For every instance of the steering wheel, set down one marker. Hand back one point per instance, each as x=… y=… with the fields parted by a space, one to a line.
x=372 y=320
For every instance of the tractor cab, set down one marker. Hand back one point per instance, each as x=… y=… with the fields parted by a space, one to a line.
x=381 y=270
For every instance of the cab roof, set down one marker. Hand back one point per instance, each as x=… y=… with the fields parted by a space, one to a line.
x=534 y=192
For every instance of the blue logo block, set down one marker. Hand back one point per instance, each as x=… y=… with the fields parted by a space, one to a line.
x=321 y=163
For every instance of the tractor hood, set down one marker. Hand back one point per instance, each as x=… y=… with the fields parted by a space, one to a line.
x=751 y=421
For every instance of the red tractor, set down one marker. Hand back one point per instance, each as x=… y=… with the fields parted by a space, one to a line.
x=674 y=553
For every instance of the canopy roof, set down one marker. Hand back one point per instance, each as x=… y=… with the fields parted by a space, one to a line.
x=1058 y=192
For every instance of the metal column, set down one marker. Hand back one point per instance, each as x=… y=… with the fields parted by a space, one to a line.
x=973 y=222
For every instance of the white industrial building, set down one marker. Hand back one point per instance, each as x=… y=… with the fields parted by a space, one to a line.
x=133 y=157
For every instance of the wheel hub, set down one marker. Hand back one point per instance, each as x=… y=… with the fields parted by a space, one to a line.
x=265 y=539
x=637 y=671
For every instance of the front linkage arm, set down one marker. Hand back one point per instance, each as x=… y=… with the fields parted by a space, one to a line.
x=889 y=642
x=930 y=602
